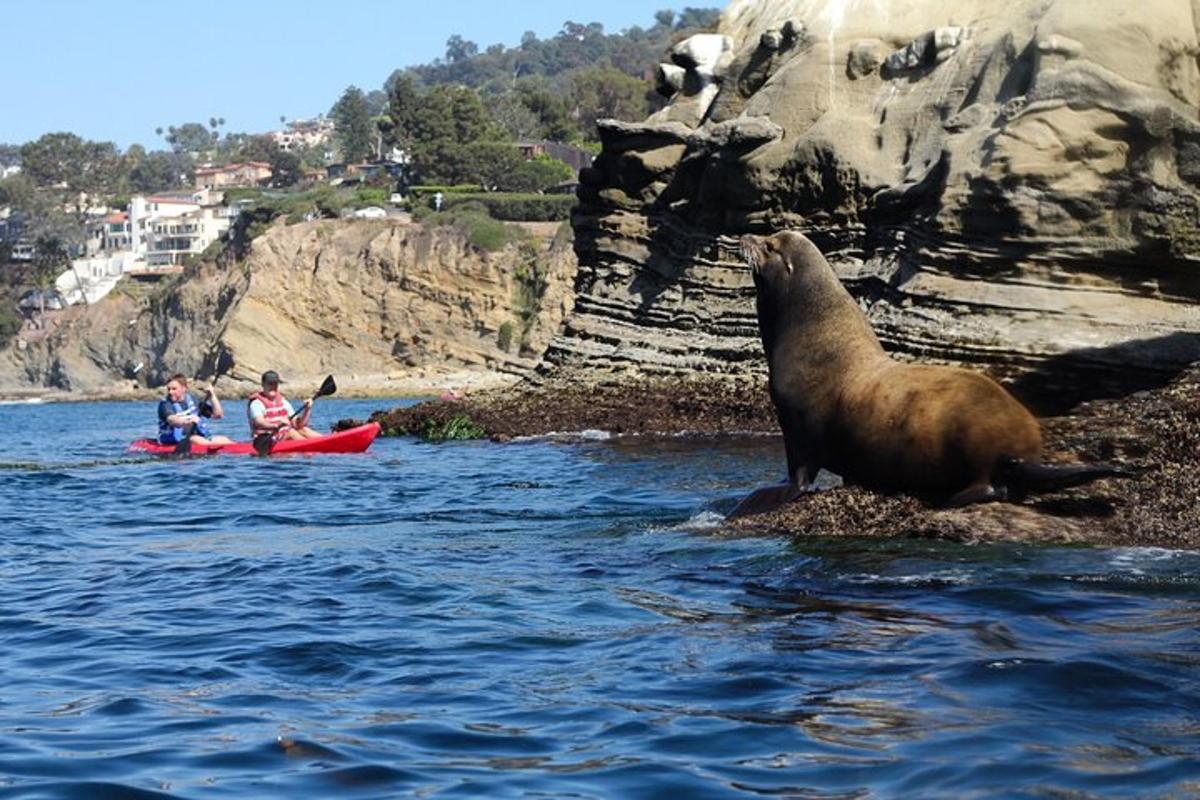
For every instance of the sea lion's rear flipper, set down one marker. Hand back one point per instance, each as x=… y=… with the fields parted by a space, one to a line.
x=978 y=493
x=768 y=498
x=1022 y=476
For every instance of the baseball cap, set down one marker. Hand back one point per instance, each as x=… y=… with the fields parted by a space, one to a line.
x=271 y=376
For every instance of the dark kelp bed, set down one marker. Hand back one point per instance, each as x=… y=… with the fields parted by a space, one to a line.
x=1157 y=432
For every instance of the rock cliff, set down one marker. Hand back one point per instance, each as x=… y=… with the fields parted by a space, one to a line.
x=1013 y=185
x=372 y=301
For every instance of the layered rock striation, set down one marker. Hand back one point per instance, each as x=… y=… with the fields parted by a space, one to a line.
x=370 y=301
x=1011 y=185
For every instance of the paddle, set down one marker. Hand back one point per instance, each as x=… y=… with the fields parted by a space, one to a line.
x=264 y=442
x=224 y=364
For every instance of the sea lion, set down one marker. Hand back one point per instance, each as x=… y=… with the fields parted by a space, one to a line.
x=943 y=433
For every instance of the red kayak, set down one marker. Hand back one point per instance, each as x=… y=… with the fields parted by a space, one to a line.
x=352 y=440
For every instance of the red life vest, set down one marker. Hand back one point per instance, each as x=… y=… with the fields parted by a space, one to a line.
x=275 y=411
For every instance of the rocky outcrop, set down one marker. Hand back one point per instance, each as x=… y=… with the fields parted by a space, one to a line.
x=1012 y=185
x=372 y=301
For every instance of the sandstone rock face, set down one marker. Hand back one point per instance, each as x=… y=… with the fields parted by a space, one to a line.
x=1015 y=185
x=367 y=300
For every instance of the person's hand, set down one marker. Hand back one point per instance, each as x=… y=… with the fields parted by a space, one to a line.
x=308 y=403
x=208 y=391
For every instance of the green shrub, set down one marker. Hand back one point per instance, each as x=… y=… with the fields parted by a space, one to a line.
x=487 y=233
x=237 y=193
x=371 y=196
x=515 y=206
x=10 y=321
x=504 y=336
x=536 y=174
x=472 y=219
x=424 y=192
x=457 y=427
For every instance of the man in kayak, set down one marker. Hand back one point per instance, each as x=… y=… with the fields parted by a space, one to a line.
x=271 y=413
x=182 y=421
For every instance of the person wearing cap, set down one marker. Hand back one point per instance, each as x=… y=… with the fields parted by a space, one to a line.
x=270 y=412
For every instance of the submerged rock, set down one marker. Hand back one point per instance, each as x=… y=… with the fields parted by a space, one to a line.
x=1156 y=433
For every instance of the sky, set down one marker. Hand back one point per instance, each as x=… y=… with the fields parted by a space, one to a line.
x=116 y=71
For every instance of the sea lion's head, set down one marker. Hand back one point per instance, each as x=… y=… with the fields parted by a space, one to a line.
x=773 y=258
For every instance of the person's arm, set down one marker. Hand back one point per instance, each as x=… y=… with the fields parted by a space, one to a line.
x=213 y=403
x=305 y=413
x=301 y=420
x=174 y=420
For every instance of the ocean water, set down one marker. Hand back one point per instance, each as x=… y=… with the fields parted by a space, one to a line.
x=549 y=619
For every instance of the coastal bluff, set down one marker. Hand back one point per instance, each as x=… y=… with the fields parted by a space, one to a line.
x=1014 y=186
x=384 y=304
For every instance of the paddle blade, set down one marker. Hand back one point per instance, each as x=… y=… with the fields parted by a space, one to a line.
x=224 y=362
x=263 y=443
x=328 y=387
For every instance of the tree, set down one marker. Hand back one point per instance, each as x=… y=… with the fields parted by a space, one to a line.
x=286 y=169
x=701 y=18
x=10 y=155
x=603 y=92
x=54 y=236
x=352 y=125
x=551 y=109
x=17 y=191
x=536 y=174
x=404 y=108
x=215 y=124
x=460 y=49
x=515 y=117
x=190 y=137
x=64 y=162
x=159 y=171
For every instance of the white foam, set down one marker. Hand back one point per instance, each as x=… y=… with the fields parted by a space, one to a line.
x=704 y=521
x=587 y=435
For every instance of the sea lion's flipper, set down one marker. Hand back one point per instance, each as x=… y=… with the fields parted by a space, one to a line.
x=977 y=493
x=1022 y=476
x=766 y=499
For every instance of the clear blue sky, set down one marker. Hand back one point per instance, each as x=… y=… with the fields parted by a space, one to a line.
x=116 y=71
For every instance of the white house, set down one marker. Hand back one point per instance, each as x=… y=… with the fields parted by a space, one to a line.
x=156 y=235
x=166 y=228
x=304 y=133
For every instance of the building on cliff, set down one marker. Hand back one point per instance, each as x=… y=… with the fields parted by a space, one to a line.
x=249 y=174
x=166 y=229
x=154 y=237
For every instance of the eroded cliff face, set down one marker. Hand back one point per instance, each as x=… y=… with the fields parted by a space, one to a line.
x=1014 y=184
x=370 y=301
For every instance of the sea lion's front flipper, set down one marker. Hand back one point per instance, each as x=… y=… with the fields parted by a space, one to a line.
x=768 y=498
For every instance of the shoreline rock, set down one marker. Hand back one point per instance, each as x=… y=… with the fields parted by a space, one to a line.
x=1156 y=432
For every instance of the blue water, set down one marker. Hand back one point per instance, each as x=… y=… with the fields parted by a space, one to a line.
x=549 y=619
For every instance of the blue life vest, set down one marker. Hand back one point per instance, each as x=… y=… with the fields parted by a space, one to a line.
x=171 y=435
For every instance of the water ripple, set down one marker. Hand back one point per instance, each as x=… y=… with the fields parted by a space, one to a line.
x=550 y=618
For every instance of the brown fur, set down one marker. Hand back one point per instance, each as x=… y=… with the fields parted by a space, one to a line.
x=845 y=405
